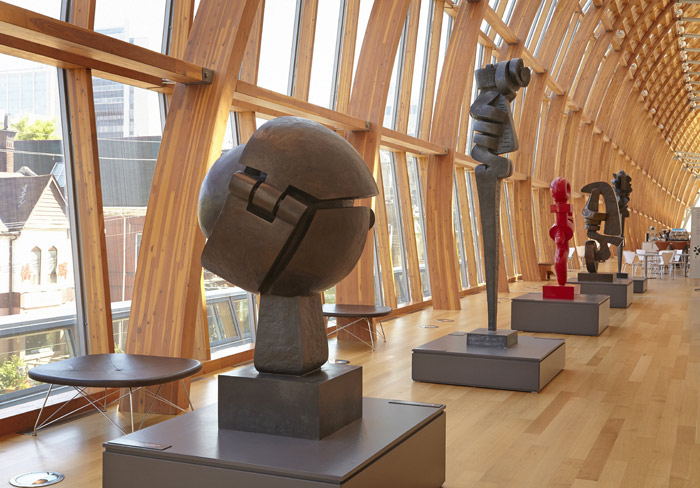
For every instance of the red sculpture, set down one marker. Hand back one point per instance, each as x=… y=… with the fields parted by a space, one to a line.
x=561 y=232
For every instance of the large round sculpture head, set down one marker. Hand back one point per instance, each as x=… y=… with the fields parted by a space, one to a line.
x=279 y=211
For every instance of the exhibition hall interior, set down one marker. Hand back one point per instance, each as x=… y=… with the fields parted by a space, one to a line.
x=350 y=243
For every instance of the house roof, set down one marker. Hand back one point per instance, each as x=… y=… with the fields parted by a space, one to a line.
x=18 y=197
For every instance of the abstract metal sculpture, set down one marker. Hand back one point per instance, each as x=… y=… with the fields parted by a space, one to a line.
x=622 y=184
x=593 y=220
x=494 y=134
x=562 y=231
x=280 y=219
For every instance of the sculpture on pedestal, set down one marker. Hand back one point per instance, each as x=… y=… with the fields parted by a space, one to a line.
x=494 y=134
x=594 y=219
x=280 y=220
x=562 y=231
x=622 y=184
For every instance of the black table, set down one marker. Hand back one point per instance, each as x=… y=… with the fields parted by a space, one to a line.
x=132 y=371
x=359 y=313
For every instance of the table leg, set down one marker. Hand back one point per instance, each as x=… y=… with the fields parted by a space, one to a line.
x=187 y=394
x=131 y=409
x=42 y=409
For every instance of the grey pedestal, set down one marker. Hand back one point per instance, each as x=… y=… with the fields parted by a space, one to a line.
x=640 y=284
x=394 y=444
x=311 y=406
x=584 y=315
x=620 y=291
x=527 y=366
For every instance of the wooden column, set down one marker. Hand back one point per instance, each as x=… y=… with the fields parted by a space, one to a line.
x=163 y=311
x=367 y=101
x=88 y=193
x=459 y=62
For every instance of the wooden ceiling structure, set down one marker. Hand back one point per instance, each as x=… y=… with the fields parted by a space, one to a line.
x=608 y=92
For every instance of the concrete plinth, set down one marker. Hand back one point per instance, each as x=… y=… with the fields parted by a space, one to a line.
x=584 y=315
x=527 y=366
x=620 y=291
x=393 y=444
x=311 y=406
x=640 y=284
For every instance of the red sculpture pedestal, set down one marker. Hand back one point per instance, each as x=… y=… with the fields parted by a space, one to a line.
x=557 y=292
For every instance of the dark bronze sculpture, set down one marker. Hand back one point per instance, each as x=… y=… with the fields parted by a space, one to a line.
x=594 y=219
x=280 y=219
x=622 y=184
x=494 y=134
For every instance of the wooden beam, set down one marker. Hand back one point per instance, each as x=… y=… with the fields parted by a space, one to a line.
x=458 y=65
x=402 y=142
x=367 y=102
x=70 y=42
x=251 y=97
x=305 y=49
x=88 y=194
x=163 y=313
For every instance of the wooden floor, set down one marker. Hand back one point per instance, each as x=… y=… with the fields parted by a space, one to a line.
x=624 y=412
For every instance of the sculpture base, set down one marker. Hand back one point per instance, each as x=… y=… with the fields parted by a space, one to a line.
x=492 y=338
x=527 y=366
x=640 y=285
x=583 y=315
x=596 y=277
x=400 y=442
x=311 y=406
x=619 y=291
x=559 y=292
x=622 y=275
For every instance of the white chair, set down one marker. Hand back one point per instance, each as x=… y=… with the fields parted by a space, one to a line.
x=571 y=261
x=581 y=251
x=677 y=261
x=648 y=260
x=630 y=259
x=665 y=262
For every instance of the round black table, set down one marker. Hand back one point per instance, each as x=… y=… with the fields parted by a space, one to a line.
x=359 y=313
x=132 y=371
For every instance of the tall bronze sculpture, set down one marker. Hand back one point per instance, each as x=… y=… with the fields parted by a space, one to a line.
x=622 y=184
x=492 y=357
x=594 y=219
x=280 y=220
x=494 y=134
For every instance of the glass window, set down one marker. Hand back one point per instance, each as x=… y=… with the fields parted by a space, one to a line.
x=326 y=49
x=459 y=237
x=418 y=211
x=277 y=45
x=509 y=215
x=420 y=68
x=38 y=313
x=392 y=98
x=393 y=216
x=362 y=21
x=128 y=122
x=544 y=30
x=53 y=265
x=50 y=8
x=35 y=266
x=476 y=229
x=444 y=40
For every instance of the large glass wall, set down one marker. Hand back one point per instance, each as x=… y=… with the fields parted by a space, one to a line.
x=38 y=302
x=327 y=37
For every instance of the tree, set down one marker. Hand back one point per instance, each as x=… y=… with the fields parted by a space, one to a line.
x=37 y=130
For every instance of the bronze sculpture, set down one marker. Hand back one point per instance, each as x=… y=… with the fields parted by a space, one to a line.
x=622 y=184
x=280 y=219
x=494 y=134
x=593 y=220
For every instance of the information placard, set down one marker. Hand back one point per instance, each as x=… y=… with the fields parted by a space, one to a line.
x=695 y=243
